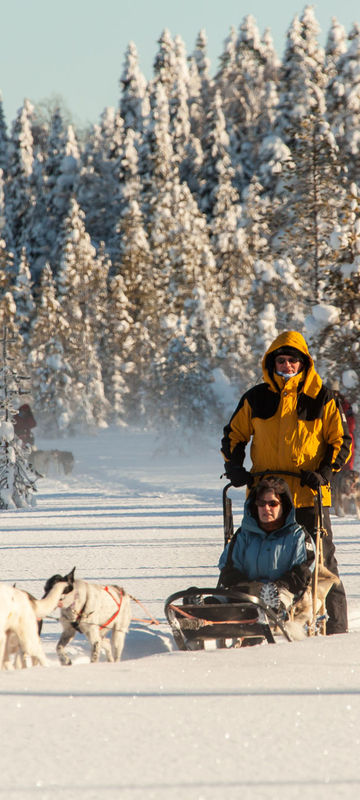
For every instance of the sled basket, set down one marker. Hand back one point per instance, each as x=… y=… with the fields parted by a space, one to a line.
x=196 y=615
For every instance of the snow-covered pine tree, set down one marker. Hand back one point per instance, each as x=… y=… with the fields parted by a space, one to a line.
x=338 y=337
x=216 y=166
x=302 y=75
x=4 y=139
x=2 y=204
x=343 y=104
x=51 y=376
x=77 y=291
x=229 y=245
x=94 y=185
x=44 y=219
x=180 y=126
x=18 y=192
x=191 y=310
x=243 y=98
x=118 y=356
x=7 y=269
x=62 y=175
x=40 y=234
x=200 y=85
x=133 y=103
x=335 y=47
x=22 y=290
x=17 y=478
x=313 y=194
x=227 y=66
x=133 y=301
x=185 y=400
x=165 y=62
x=274 y=297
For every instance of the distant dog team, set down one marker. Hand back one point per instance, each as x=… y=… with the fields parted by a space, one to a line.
x=89 y=608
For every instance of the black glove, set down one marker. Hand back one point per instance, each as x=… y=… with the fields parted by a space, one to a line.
x=315 y=479
x=238 y=475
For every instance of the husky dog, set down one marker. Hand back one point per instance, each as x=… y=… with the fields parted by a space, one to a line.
x=52 y=462
x=94 y=610
x=19 y=615
x=303 y=608
x=345 y=490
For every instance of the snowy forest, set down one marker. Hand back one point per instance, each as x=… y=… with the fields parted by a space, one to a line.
x=146 y=265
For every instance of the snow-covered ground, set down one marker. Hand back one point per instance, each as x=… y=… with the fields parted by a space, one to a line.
x=275 y=721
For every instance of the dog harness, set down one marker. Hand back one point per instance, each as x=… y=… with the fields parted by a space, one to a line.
x=118 y=604
x=77 y=621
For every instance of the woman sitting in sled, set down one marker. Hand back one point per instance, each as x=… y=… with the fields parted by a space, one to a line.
x=270 y=555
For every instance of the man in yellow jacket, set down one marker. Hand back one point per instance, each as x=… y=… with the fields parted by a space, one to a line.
x=295 y=424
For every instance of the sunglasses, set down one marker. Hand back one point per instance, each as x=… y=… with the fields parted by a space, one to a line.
x=271 y=503
x=287 y=360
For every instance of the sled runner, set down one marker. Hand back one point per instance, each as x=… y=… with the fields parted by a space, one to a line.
x=229 y=617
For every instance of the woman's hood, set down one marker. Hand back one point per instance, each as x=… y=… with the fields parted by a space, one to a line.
x=252 y=525
x=312 y=381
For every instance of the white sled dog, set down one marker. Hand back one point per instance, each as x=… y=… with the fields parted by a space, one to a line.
x=94 y=610
x=19 y=632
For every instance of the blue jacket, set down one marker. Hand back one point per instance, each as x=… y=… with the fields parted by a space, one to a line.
x=253 y=554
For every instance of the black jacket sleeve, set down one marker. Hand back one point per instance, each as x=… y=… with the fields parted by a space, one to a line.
x=299 y=577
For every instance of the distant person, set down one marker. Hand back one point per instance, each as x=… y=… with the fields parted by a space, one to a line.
x=350 y=419
x=296 y=424
x=24 y=422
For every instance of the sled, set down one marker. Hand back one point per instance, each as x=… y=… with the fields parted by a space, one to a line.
x=227 y=617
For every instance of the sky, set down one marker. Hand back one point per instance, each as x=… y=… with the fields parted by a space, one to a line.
x=257 y=723
x=76 y=48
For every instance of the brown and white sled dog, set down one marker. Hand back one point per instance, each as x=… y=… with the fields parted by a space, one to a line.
x=19 y=614
x=345 y=490
x=303 y=608
x=94 y=610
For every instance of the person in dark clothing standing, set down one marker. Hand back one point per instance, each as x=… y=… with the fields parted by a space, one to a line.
x=24 y=423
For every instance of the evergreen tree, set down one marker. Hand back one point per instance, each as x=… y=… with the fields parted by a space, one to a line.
x=17 y=478
x=50 y=373
x=119 y=364
x=338 y=341
x=4 y=139
x=65 y=166
x=313 y=194
x=200 y=61
x=18 y=195
x=335 y=48
x=22 y=290
x=302 y=76
x=7 y=269
x=180 y=126
x=243 y=96
x=343 y=104
x=216 y=164
x=98 y=187
x=165 y=63
x=77 y=287
x=133 y=102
